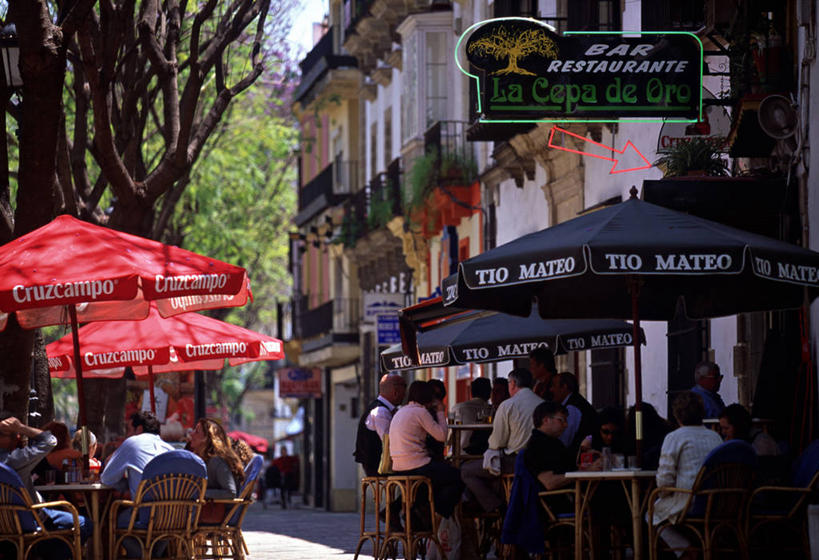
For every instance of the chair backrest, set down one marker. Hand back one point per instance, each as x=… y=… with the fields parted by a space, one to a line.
x=730 y=465
x=13 y=493
x=252 y=472
x=177 y=475
x=807 y=466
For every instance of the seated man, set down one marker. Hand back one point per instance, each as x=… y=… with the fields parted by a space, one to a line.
x=511 y=428
x=473 y=411
x=683 y=453
x=23 y=460
x=123 y=469
x=543 y=464
x=546 y=457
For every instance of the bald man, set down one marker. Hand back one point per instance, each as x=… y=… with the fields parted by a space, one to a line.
x=375 y=422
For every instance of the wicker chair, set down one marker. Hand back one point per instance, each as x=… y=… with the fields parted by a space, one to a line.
x=166 y=508
x=777 y=515
x=716 y=503
x=562 y=524
x=225 y=540
x=411 y=538
x=21 y=520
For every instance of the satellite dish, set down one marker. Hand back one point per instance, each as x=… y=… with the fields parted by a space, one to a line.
x=777 y=117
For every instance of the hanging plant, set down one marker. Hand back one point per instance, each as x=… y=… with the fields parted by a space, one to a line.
x=698 y=156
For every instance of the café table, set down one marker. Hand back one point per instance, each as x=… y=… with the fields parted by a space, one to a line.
x=457 y=454
x=585 y=484
x=95 y=494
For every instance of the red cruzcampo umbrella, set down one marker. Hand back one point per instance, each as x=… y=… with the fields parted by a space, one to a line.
x=70 y=271
x=155 y=345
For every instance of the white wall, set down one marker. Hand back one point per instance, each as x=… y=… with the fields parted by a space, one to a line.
x=521 y=211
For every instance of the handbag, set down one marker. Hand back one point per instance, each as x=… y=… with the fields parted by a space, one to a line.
x=385 y=464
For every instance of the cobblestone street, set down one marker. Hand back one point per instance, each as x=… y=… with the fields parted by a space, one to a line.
x=301 y=534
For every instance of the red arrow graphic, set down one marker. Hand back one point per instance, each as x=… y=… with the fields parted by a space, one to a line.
x=629 y=155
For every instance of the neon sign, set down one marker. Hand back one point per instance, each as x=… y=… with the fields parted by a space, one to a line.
x=525 y=72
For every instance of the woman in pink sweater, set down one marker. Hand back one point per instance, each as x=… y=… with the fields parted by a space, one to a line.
x=410 y=456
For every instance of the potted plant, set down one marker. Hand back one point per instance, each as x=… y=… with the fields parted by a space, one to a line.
x=697 y=156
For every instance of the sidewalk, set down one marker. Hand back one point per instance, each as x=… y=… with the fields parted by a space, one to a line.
x=301 y=533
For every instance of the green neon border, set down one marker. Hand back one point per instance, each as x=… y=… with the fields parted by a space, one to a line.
x=565 y=33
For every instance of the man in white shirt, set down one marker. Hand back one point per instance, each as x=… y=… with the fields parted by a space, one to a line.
x=375 y=422
x=511 y=429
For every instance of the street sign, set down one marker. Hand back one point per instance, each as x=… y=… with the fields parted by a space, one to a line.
x=300 y=383
x=388 y=331
x=377 y=303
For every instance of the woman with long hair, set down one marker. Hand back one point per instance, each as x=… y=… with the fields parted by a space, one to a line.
x=410 y=454
x=225 y=470
x=63 y=449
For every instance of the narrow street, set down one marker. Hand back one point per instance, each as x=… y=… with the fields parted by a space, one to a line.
x=301 y=533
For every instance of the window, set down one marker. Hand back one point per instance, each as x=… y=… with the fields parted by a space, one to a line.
x=409 y=96
x=387 y=137
x=436 y=77
x=373 y=149
x=662 y=15
x=427 y=72
x=594 y=15
x=507 y=8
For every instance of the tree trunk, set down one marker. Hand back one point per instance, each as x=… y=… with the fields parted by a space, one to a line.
x=43 y=410
x=42 y=66
x=15 y=368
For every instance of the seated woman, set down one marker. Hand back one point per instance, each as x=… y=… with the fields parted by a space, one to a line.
x=94 y=464
x=609 y=434
x=735 y=423
x=410 y=455
x=655 y=428
x=242 y=450
x=62 y=452
x=774 y=467
x=683 y=452
x=225 y=470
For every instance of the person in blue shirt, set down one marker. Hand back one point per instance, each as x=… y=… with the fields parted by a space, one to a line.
x=707 y=379
x=123 y=469
x=23 y=459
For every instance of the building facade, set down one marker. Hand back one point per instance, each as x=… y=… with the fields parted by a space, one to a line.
x=399 y=181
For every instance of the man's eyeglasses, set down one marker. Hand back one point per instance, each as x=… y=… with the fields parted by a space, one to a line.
x=560 y=419
x=606 y=432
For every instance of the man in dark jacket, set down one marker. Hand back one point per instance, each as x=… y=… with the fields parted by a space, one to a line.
x=375 y=422
x=582 y=415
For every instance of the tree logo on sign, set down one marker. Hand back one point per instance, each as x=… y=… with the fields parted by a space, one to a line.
x=505 y=43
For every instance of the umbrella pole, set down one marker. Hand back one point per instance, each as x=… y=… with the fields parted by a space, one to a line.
x=75 y=337
x=634 y=288
x=151 y=389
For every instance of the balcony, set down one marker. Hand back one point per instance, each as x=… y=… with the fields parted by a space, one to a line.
x=374 y=206
x=331 y=323
x=322 y=61
x=442 y=185
x=370 y=26
x=329 y=188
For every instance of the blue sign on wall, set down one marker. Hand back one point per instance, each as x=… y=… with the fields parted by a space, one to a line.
x=388 y=332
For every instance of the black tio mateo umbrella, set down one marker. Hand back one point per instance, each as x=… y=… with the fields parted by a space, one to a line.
x=637 y=261
x=499 y=336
